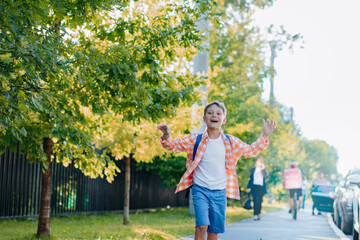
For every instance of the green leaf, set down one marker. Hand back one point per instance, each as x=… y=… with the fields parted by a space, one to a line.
x=23 y=132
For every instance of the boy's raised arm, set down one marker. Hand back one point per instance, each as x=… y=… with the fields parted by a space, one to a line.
x=243 y=149
x=166 y=131
x=176 y=145
x=268 y=128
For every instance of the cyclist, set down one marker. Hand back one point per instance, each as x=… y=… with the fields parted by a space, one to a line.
x=292 y=181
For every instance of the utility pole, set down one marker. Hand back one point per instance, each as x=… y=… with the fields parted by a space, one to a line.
x=201 y=65
x=280 y=39
x=272 y=76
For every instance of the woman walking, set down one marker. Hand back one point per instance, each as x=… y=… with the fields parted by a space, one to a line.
x=257 y=185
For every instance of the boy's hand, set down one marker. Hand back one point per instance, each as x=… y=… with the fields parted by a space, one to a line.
x=268 y=128
x=165 y=129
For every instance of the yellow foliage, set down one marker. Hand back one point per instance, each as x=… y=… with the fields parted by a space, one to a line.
x=6 y=58
x=240 y=128
x=143 y=139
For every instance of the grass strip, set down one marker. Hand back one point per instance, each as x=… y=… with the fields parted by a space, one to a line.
x=163 y=224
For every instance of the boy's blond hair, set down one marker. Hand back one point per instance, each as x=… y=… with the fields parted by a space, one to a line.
x=217 y=103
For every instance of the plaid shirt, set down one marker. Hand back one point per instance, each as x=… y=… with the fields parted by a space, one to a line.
x=234 y=151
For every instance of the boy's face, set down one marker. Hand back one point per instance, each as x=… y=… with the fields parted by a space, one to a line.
x=214 y=117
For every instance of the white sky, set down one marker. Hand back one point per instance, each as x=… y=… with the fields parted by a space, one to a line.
x=321 y=81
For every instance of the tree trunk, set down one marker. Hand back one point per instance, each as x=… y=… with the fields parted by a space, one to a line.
x=127 y=191
x=44 y=215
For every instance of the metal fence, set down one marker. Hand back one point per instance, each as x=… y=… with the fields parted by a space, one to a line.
x=73 y=192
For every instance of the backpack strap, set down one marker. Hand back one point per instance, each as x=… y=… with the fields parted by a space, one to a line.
x=198 y=140
x=228 y=138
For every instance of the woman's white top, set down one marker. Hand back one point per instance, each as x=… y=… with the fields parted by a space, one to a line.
x=258 y=177
x=211 y=171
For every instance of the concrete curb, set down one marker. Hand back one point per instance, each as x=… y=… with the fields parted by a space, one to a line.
x=336 y=230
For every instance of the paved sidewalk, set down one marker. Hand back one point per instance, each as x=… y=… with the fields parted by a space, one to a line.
x=279 y=225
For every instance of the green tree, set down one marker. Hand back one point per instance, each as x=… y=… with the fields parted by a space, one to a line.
x=237 y=71
x=60 y=60
x=141 y=140
x=320 y=156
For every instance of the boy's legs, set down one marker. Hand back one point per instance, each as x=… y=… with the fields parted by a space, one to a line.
x=201 y=207
x=212 y=236
x=200 y=233
x=210 y=207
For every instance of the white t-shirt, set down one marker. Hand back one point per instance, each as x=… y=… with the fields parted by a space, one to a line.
x=258 y=177
x=211 y=171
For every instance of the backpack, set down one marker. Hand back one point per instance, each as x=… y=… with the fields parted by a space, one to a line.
x=197 y=142
x=292 y=178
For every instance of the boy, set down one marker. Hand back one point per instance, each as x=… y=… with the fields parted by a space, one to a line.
x=212 y=172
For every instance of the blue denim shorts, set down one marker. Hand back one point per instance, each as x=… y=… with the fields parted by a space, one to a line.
x=210 y=207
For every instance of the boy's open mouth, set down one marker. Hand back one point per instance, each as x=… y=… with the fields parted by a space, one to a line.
x=213 y=120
